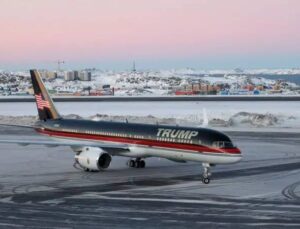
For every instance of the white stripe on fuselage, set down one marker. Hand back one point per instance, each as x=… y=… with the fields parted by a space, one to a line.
x=175 y=154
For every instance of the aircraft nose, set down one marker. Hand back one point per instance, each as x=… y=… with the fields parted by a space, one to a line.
x=238 y=151
x=234 y=150
x=236 y=154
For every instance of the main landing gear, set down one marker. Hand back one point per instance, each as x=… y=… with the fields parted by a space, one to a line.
x=137 y=163
x=206 y=173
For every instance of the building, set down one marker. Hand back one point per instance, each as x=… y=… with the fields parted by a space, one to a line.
x=69 y=76
x=85 y=76
x=76 y=75
x=48 y=75
x=51 y=75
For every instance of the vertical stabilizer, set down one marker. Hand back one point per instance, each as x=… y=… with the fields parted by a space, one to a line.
x=44 y=103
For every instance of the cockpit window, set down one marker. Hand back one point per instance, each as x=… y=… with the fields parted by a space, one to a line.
x=222 y=144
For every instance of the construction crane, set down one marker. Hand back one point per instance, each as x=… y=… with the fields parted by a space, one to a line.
x=133 y=67
x=59 y=63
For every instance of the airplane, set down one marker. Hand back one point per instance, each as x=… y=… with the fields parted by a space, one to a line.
x=95 y=142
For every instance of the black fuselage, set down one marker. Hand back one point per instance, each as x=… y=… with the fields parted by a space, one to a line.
x=144 y=134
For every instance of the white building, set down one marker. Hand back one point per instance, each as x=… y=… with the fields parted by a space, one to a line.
x=69 y=76
x=85 y=76
x=48 y=74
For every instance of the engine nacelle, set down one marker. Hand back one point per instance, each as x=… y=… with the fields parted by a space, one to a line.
x=93 y=159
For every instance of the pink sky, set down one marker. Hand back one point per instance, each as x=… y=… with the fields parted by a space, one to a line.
x=89 y=30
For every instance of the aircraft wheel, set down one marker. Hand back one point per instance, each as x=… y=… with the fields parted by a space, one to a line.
x=142 y=164
x=132 y=164
x=137 y=164
x=206 y=180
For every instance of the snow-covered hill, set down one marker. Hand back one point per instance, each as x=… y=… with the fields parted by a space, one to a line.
x=164 y=82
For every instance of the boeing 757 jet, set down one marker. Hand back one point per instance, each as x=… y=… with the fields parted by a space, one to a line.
x=95 y=142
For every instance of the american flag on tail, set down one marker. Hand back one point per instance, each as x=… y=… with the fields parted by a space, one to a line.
x=41 y=103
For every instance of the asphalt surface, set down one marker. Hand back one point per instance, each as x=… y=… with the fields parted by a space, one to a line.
x=40 y=188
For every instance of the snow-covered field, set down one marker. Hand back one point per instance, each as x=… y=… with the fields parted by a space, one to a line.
x=162 y=82
x=219 y=114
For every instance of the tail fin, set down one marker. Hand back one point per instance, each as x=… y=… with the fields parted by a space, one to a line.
x=44 y=103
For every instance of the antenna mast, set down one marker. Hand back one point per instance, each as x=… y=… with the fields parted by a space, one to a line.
x=59 y=63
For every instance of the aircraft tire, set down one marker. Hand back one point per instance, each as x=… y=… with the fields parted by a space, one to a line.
x=205 y=180
x=132 y=164
x=142 y=164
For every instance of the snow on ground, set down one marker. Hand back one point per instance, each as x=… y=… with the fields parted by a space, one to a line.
x=138 y=83
x=242 y=80
x=283 y=71
x=219 y=114
x=162 y=82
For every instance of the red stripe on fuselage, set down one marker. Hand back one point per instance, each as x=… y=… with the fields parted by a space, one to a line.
x=145 y=142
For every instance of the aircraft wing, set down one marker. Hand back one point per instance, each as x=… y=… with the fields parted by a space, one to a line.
x=62 y=143
x=12 y=125
x=74 y=144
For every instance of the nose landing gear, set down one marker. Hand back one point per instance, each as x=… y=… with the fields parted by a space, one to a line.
x=137 y=163
x=206 y=173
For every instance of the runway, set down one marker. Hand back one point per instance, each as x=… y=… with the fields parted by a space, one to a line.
x=41 y=188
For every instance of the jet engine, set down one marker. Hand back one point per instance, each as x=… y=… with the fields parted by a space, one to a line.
x=93 y=159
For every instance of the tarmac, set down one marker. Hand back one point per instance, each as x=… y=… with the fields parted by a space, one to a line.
x=40 y=188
